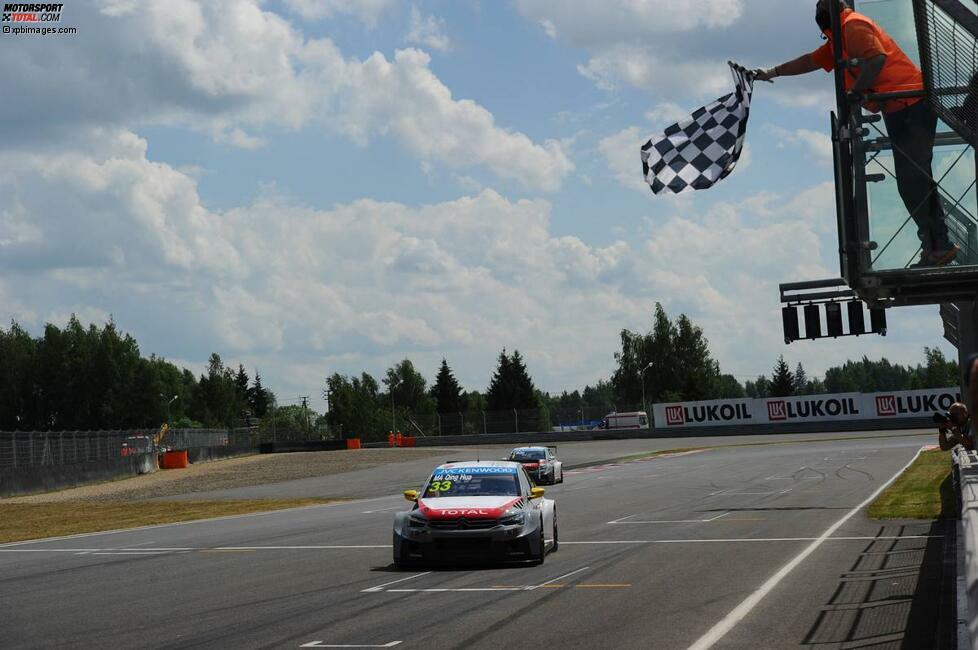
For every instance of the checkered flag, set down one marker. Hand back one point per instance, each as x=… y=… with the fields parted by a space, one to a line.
x=704 y=148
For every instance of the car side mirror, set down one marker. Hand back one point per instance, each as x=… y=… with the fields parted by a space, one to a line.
x=536 y=493
x=411 y=495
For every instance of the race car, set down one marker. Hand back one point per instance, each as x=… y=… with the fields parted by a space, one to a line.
x=540 y=463
x=476 y=511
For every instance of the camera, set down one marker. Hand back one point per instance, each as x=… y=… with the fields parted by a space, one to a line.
x=943 y=418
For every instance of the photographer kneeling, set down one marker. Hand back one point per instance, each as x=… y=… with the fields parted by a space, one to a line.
x=955 y=428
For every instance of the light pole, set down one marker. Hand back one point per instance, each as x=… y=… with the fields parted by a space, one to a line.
x=642 y=375
x=172 y=399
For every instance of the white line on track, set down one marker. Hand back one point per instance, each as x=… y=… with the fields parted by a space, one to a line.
x=320 y=644
x=718 y=631
x=185 y=549
x=668 y=521
x=192 y=522
x=450 y=589
x=394 y=582
x=731 y=540
x=566 y=575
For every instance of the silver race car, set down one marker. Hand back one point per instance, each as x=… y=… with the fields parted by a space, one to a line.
x=476 y=511
x=540 y=463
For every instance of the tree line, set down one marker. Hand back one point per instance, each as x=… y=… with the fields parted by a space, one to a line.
x=95 y=378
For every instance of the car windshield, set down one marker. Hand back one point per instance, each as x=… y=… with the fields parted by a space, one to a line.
x=521 y=455
x=473 y=482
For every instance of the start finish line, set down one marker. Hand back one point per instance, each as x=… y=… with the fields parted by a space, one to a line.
x=805 y=408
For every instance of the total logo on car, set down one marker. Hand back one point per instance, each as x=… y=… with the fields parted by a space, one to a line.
x=540 y=463
x=476 y=511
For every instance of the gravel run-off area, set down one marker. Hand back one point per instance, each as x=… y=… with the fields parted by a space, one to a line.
x=243 y=471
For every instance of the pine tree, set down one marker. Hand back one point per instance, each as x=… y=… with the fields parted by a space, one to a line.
x=259 y=398
x=499 y=395
x=782 y=381
x=524 y=394
x=446 y=392
x=802 y=385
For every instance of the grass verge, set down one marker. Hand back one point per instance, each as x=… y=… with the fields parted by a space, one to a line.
x=25 y=521
x=923 y=491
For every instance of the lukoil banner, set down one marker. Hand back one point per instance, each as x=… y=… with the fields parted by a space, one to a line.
x=704 y=414
x=908 y=403
x=811 y=408
x=805 y=408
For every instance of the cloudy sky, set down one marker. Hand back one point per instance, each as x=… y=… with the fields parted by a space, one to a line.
x=313 y=186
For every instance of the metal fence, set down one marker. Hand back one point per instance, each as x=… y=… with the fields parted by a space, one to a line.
x=509 y=421
x=52 y=448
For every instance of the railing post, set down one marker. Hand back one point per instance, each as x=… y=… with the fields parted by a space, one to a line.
x=516 y=419
x=61 y=448
x=74 y=446
x=30 y=439
x=13 y=447
x=484 y=428
x=438 y=415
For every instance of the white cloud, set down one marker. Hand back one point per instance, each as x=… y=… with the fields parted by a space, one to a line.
x=676 y=51
x=643 y=68
x=666 y=113
x=817 y=145
x=240 y=139
x=225 y=66
x=622 y=152
x=292 y=289
x=367 y=11
x=428 y=30
x=584 y=22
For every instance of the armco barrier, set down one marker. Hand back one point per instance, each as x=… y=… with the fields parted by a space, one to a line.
x=966 y=476
x=28 y=480
x=307 y=445
x=916 y=423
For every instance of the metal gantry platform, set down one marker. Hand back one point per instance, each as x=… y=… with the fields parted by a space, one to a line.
x=878 y=244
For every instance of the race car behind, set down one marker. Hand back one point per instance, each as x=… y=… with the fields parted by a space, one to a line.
x=477 y=511
x=540 y=463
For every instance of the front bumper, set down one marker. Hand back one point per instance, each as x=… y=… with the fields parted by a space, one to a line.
x=498 y=543
x=542 y=475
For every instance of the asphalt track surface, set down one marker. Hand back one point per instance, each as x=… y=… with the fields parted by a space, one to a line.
x=737 y=547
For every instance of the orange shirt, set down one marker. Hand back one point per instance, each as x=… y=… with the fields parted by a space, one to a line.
x=862 y=39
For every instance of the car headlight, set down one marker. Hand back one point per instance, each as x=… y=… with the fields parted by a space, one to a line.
x=511 y=517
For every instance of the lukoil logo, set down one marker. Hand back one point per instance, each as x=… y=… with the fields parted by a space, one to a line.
x=886 y=405
x=891 y=405
x=674 y=415
x=776 y=411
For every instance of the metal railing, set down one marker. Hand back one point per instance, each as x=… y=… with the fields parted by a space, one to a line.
x=20 y=449
x=495 y=422
x=947 y=35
